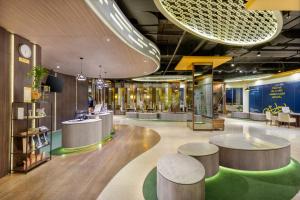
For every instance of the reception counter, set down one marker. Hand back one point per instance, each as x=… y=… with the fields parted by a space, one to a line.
x=107 y=122
x=81 y=133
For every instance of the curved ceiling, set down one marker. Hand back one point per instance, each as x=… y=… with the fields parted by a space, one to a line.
x=70 y=29
x=226 y=22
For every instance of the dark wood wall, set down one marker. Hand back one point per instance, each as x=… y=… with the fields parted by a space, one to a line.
x=66 y=101
x=21 y=69
x=82 y=95
x=4 y=101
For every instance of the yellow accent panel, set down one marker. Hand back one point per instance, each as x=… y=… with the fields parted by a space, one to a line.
x=282 y=5
x=187 y=62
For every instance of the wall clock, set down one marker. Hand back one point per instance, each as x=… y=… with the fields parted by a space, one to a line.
x=25 y=51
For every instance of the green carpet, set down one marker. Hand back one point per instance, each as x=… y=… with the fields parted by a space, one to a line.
x=66 y=151
x=229 y=184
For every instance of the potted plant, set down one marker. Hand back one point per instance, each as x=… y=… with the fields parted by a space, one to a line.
x=37 y=73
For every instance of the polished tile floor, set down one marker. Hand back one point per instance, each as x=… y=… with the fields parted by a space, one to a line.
x=127 y=184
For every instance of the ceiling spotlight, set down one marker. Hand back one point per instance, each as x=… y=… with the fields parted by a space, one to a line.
x=57 y=66
x=81 y=76
x=258 y=54
x=288 y=16
x=107 y=39
x=232 y=65
x=241 y=71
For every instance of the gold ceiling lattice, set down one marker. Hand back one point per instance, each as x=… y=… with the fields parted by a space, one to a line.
x=223 y=21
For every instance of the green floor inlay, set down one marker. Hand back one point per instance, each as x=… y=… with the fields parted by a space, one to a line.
x=66 y=151
x=230 y=184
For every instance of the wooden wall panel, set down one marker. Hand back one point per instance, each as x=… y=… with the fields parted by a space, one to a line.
x=4 y=102
x=21 y=79
x=66 y=101
x=82 y=95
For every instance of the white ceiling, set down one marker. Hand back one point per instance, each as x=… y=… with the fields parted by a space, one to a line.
x=67 y=30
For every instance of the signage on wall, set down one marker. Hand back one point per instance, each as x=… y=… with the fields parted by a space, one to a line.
x=25 y=52
x=277 y=92
x=275 y=96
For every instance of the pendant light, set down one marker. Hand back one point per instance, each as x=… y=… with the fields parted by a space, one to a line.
x=81 y=76
x=105 y=83
x=100 y=81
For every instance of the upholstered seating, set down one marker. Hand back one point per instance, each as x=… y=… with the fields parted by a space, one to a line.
x=285 y=118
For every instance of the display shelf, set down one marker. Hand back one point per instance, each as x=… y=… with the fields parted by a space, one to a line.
x=31 y=151
x=28 y=142
x=25 y=134
x=34 y=165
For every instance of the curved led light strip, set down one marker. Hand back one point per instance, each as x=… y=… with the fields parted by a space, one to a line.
x=168 y=78
x=226 y=22
x=248 y=78
x=111 y=15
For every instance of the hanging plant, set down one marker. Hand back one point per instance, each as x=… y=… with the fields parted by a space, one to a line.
x=37 y=73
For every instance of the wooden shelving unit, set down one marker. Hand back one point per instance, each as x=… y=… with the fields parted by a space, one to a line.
x=30 y=146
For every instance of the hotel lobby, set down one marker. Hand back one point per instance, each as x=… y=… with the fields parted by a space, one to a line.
x=150 y=99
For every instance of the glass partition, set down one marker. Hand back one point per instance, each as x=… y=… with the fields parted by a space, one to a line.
x=202 y=116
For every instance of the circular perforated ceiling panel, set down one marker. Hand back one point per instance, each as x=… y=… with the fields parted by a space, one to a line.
x=222 y=21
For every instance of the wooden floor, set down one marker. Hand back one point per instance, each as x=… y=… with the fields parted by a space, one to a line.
x=81 y=176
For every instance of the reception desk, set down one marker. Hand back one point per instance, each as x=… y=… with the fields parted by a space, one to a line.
x=81 y=133
x=107 y=122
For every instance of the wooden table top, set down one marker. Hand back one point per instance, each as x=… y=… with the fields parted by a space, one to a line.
x=181 y=169
x=198 y=149
x=249 y=141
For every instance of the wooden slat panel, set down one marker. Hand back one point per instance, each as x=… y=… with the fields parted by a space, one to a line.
x=66 y=101
x=4 y=102
x=69 y=29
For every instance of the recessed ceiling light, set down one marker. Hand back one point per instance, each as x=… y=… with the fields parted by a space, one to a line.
x=107 y=39
x=241 y=71
x=57 y=66
x=145 y=61
x=258 y=54
x=232 y=65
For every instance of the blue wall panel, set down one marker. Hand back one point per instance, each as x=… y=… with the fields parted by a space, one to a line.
x=273 y=95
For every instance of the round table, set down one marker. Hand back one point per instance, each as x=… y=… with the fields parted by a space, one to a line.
x=180 y=177
x=252 y=151
x=207 y=154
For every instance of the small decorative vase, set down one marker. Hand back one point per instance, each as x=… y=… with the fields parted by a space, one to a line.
x=35 y=95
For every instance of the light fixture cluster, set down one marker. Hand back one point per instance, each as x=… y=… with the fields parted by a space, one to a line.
x=100 y=82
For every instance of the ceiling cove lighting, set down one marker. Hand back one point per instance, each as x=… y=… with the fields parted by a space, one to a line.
x=248 y=78
x=168 y=78
x=81 y=76
x=226 y=22
x=111 y=15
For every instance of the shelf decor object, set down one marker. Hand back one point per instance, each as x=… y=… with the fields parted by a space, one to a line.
x=30 y=142
x=37 y=73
